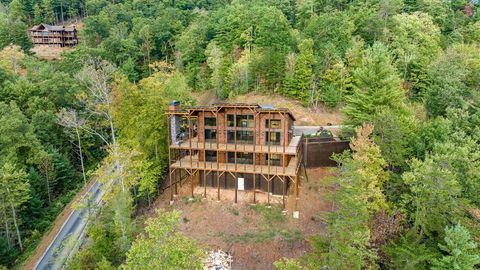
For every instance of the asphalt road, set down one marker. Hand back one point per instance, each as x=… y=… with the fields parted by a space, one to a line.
x=71 y=233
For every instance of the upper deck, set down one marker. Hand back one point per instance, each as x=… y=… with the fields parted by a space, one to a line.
x=291 y=149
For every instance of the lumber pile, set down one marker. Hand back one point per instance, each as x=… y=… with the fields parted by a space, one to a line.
x=218 y=260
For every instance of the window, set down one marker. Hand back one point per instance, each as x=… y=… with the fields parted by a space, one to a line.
x=243 y=136
x=242 y=158
x=230 y=120
x=274 y=159
x=272 y=123
x=211 y=121
x=272 y=138
x=211 y=156
x=210 y=135
x=245 y=121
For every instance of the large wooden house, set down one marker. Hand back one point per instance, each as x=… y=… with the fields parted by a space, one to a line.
x=242 y=147
x=53 y=35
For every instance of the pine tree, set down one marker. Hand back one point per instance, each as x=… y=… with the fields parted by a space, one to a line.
x=48 y=12
x=303 y=77
x=357 y=197
x=16 y=10
x=37 y=14
x=461 y=250
x=376 y=84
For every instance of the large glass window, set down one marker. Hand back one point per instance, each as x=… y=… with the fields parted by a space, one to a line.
x=274 y=159
x=230 y=120
x=272 y=138
x=243 y=136
x=211 y=156
x=210 y=121
x=210 y=135
x=242 y=158
x=245 y=121
x=273 y=123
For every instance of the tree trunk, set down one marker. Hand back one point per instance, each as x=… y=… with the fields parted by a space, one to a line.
x=7 y=229
x=81 y=156
x=14 y=214
x=48 y=186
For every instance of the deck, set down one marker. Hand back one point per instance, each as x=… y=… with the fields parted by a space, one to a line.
x=192 y=162
x=193 y=143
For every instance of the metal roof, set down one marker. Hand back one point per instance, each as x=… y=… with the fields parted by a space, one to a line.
x=48 y=27
x=214 y=106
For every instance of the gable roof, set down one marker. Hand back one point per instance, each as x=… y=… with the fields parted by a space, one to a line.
x=48 y=27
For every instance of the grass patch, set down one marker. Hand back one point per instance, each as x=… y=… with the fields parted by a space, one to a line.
x=271 y=214
x=257 y=237
x=233 y=210
x=188 y=200
x=291 y=236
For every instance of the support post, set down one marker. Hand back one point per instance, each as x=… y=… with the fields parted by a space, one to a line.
x=254 y=188
x=218 y=186
x=236 y=187
x=205 y=183
x=283 y=192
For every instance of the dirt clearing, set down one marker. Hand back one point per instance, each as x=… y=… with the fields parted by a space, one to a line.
x=256 y=235
x=319 y=116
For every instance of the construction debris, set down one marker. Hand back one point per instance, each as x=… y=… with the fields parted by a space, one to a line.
x=218 y=260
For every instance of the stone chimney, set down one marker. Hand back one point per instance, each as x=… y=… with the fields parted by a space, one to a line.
x=174 y=105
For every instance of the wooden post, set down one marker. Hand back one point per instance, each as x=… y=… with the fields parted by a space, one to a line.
x=283 y=191
x=192 y=175
x=175 y=178
x=296 y=192
x=236 y=187
x=205 y=183
x=218 y=185
x=254 y=187
x=170 y=181
x=268 y=189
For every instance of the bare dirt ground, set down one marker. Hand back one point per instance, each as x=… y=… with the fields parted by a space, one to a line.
x=305 y=116
x=49 y=53
x=256 y=235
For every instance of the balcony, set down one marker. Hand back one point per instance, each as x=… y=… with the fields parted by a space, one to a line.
x=192 y=162
x=291 y=149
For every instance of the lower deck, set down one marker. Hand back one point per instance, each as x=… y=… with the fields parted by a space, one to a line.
x=193 y=163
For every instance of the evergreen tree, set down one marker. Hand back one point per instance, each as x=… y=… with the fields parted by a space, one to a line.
x=48 y=12
x=300 y=84
x=461 y=250
x=37 y=14
x=358 y=195
x=434 y=197
x=376 y=85
x=16 y=10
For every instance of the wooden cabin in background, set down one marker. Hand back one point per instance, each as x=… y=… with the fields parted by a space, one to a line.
x=53 y=35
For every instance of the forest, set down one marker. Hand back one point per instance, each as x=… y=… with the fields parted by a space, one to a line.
x=405 y=73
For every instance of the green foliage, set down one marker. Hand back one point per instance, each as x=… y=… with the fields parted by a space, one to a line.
x=302 y=78
x=434 y=196
x=460 y=250
x=376 y=86
x=358 y=196
x=454 y=78
x=163 y=241
x=415 y=41
x=287 y=264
